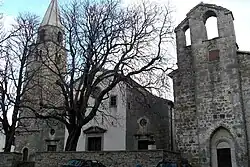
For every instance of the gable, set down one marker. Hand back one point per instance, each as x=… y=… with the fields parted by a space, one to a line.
x=94 y=129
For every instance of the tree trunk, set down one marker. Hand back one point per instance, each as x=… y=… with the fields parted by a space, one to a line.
x=72 y=140
x=9 y=138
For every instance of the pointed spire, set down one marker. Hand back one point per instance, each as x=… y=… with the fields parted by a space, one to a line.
x=52 y=15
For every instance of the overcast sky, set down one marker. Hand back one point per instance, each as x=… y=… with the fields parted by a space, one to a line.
x=240 y=9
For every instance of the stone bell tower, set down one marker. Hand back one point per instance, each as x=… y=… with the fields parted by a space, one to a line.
x=47 y=59
x=210 y=120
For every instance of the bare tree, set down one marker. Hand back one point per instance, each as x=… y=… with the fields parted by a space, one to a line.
x=13 y=81
x=106 y=44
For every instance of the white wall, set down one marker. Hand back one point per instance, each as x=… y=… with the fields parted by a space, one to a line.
x=115 y=136
x=2 y=142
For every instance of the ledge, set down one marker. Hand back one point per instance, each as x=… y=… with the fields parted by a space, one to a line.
x=243 y=52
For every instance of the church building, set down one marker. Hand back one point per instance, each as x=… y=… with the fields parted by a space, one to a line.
x=212 y=91
x=138 y=119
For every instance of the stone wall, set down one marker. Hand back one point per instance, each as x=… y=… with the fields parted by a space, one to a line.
x=156 y=111
x=207 y=84
x=44 y=91
x=9 y=159
x=108 y=158
x=244 y=61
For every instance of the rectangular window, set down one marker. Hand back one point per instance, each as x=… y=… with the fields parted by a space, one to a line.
x=51 y=148
x=214 y=55
x=94 y=143
x=113 y=101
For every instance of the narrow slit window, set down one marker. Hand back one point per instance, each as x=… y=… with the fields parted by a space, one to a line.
x=59 y=37
x=58 y=59
x=188 y=37
x=42 y=35
x=113 y=101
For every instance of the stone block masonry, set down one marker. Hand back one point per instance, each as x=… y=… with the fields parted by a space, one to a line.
x=108 y=158
x=9 y=159
x=211 y=88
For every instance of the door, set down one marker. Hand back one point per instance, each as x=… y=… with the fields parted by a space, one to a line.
x=94 y=143
x=224 y=157
x=142 y=144
x=25 y=154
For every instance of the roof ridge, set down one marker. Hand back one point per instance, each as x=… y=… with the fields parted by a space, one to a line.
x=52 y=15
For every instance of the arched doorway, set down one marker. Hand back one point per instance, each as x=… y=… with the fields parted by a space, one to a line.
x=224 y=154
x=222 y=149
x=25 y=154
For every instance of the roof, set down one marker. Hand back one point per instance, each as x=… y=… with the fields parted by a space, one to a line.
x=212 y=6
x=243 y=52
x=52 y=15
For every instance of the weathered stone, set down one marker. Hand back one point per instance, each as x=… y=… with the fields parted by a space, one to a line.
x=214 y=77
x=108 y=158
x=9 y=159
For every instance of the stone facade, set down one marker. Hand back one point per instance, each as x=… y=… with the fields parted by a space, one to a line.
x=142 y=105
x=47 y=54
x=108 y=158
x=211 y=89
x=9 y=159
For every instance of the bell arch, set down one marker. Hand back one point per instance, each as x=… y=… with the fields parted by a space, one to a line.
x=211 y=23
x=187 y=35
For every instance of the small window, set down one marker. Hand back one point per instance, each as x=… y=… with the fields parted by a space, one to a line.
x=94 y=143
x=41 y=104
x=36 y=55
x=188 y=37
x=40 y=55
x=52 y=131
x=113 y=101
x=143 y=122
x=42 y=35
x=25 y=154
x=129 y=105
x=214 y=55
x=59 y=37
x=58 y=58
x=51 y=148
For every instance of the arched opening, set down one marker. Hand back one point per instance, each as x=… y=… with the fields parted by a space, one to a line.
x=36 y=55
x=25 y=154
x=210 y=21
x=222 y=148
x=187 y=35
x=59 y=37
x=42 y=35
x=40 y=55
